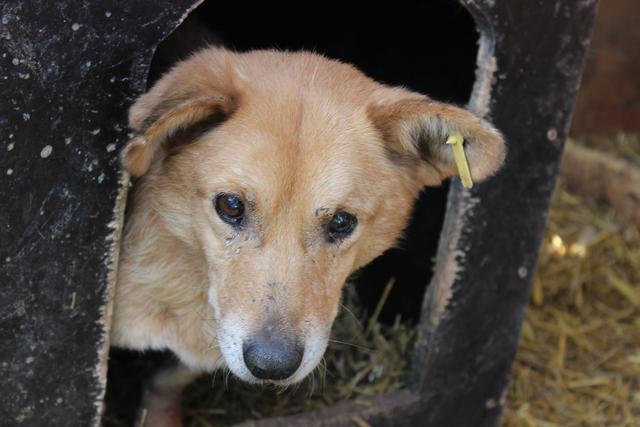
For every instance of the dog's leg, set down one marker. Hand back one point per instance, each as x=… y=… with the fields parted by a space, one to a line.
x=162 y=397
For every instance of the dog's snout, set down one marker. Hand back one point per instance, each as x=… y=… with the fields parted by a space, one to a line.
x=272 y=357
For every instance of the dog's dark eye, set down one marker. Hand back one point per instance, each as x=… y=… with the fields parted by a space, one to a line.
x=341 y=225
x=230 y=208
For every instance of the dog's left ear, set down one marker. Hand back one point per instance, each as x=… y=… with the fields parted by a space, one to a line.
x=416 y=128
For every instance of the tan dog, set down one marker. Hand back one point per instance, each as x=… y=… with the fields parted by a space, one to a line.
x=266 y=179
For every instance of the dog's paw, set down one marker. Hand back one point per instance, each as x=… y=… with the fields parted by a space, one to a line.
x=160 y=409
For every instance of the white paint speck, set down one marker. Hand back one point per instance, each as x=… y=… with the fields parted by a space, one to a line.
x=95 y=131
x=8 y=259
x=24 y=76
x=100 y=178
x=107 y=14
x=15 y=61
x=4 y=55
x=75 y=26
x=9 y=171
x=10 y=146
x=111 y=147
x=112 y=79
x=552 y=135
x=29 y=359
x=10 y=136
x=5 y=19
x=522 y=272
x=67 y=141
x=46 y=151
x=26 y=116
x=490 y=404
x=59 y=400
x=88 y=63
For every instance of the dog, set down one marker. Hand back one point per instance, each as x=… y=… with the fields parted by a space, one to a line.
x=264 y=179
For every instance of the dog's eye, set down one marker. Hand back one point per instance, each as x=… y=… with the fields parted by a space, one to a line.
x=341 y=225
x=230 y=208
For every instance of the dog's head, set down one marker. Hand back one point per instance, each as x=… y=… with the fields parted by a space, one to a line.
x=286 y=172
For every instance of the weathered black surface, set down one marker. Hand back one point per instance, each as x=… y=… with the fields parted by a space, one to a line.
x=67 y=87
x=68 y=71
x=463 y=364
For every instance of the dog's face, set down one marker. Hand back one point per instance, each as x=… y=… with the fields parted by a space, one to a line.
x=286 y=172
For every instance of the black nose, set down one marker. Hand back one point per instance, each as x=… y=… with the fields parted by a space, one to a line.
x=271 y=357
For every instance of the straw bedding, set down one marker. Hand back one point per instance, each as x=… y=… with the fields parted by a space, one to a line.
x=578 y=361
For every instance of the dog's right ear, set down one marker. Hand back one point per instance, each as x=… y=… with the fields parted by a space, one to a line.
x=191 y=99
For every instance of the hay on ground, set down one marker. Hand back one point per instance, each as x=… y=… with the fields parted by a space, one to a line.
x=578 y=361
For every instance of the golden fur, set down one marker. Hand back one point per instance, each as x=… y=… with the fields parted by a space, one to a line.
x=301 y=137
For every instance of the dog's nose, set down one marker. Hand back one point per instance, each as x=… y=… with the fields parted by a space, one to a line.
x=272 y=357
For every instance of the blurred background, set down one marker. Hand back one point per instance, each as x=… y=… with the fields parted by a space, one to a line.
x=578 y=362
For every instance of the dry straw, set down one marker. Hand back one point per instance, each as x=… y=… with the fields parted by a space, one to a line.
x=578 y=362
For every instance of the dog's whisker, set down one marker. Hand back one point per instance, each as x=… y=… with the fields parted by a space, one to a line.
x=215 y=372
x=213 y=378
x=311 y=384
x=312 y=381
x=323 y=365
x=361 y=347
x=283 y=388
x=226 y=378
x=295 y=387
x=348 y=310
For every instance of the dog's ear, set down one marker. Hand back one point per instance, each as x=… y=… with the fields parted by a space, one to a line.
x=416 y=128
x=191 y=99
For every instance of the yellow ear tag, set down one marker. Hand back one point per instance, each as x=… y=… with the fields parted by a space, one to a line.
x=456 y=140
